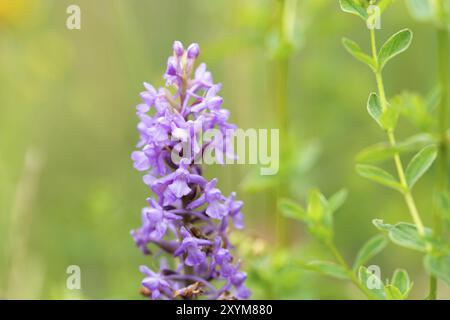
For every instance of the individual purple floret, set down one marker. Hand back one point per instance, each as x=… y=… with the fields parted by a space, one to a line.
x=190 y=217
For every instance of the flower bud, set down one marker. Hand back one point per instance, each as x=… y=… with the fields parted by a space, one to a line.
x=193 y=51
x=178 y=49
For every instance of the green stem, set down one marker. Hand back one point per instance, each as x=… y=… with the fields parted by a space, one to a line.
x=398 y=162
x=432 y=290
x=443 y=69
x=281 y=90
x=349 y=271
x=281 y=101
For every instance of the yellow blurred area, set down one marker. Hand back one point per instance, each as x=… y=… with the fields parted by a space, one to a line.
x=12 y=11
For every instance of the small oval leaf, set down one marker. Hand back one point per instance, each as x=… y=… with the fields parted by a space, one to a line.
x=395 y=45
x=316 y=205
x=355 y=50
x=401 y=280
x=405 y=234
x=383 y=151
x=353 y=7
x=371 y=248
x=337 y=200
x=293 y=210
x=379 y=175
x=374 y=108
x=419 y=164
x=328 y=268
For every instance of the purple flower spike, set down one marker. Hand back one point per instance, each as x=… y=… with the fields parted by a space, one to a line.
x=189 y=217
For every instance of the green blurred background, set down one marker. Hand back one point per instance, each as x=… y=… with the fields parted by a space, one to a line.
x=69 y=194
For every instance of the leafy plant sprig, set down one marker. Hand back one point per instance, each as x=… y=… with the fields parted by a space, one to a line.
x=438 y=12
x=319 y=219
x=414 y=236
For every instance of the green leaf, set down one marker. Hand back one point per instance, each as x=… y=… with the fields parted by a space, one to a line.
x=419 y=164
x=405 y=235
x=320 y=221
x=438 y=265
x=387 y=118
x=316 y=205
x=379 y=175
x=401 y=280
x=353 y=7
x=374 y=108
x=395 y=45
x=376 y=153
x=328 y=268
x=393 y=293
x=337 y=200
x=331 y=206
x=355 y=50
x=384 y=151
x=371 y=248
x=372 y=282
x=293 y=210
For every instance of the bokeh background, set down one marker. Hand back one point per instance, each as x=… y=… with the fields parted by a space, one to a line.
x=69 y=194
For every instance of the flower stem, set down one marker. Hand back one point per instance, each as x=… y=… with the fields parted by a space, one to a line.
x=391 y=137
x=349 y=271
